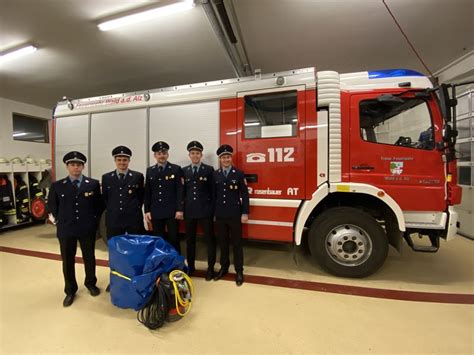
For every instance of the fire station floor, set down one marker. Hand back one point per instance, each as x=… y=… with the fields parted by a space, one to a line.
x=417 y=303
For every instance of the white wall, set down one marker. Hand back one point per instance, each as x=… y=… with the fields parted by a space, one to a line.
x=10 y=148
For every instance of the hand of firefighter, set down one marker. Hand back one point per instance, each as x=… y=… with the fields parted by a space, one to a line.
x=179 y=215
x=244 y=218
x=52 y=219
x=148 y=217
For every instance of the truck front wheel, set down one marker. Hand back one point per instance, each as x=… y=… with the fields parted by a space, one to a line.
x=348 y=242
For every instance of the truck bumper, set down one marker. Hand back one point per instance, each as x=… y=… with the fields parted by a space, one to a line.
x=452 y=226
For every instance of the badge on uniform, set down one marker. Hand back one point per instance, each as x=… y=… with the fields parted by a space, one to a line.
x=130 y=191
x=87 y=194
x=231 y=187
x=172 y=177
x=204 y=178
x=166 y=177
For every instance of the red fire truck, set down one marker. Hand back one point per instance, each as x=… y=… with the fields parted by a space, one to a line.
x=348 y=163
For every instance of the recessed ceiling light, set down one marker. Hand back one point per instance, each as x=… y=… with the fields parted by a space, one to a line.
x=165 y=9
x=18 y=52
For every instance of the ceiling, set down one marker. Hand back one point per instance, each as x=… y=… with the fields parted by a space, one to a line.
x=75 y=59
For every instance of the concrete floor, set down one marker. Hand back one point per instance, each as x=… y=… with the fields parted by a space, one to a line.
x=257 y=318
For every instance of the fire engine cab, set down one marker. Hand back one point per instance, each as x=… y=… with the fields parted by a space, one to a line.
x=348 y=163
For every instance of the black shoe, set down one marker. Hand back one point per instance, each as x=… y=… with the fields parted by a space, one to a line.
x=94 y=290
x=210 y=274
x=222 y=272
x=239 y=278
x=191 y=271
x=68 y=300
x=108 y=288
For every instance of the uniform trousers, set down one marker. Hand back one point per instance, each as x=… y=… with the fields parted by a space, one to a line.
x=68 y=248
x=170 y=233
x=207 y=226
x=229 y=229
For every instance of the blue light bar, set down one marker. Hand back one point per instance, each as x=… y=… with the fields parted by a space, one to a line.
x=391 y=73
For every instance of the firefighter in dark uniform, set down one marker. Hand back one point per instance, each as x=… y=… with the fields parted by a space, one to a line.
x=76 y=204
x=164 y=195
x=199 y=207
x=231 y=210
x=123 y=191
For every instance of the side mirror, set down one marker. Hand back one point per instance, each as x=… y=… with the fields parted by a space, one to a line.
x=449 y=134
x=446 y=102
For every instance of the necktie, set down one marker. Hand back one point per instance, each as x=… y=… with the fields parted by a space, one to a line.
x=195 y=170
x=160 y=169
x=75 y=183
x=225 y=173
x=121 y=176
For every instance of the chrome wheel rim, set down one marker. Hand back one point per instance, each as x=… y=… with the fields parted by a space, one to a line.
x=348 y=245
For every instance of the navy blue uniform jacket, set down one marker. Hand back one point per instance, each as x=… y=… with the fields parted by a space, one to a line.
x=164 y=191
x=198 y=192
x=77 y=211
x=231 y=194
x=123 y=198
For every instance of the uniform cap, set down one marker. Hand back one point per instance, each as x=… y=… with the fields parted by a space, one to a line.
x=121 y=150
x=160 y=146
x=194 y=145
x=74 y=156
x=224 y=149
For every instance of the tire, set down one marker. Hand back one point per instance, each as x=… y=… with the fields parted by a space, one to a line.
x=348 y=242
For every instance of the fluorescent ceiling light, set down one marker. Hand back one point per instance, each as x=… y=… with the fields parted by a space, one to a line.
x=248 y=124
x=146 y=15
x=19 y=134
x=17 y=53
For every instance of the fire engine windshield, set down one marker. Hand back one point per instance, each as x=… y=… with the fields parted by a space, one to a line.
x=404 y=123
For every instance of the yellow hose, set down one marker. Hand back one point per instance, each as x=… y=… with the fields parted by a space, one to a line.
x=178 y=300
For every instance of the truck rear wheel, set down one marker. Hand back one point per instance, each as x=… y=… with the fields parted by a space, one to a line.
x=348 y=242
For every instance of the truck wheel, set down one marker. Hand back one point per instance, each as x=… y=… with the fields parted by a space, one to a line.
x=348 y=242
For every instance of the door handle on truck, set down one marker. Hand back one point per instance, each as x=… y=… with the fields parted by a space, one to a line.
x=362 y=167
x=251 y=177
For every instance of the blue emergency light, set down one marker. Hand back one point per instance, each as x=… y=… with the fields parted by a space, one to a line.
x=391 y=73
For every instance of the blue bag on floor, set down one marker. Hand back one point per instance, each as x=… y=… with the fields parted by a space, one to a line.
x=135 y=262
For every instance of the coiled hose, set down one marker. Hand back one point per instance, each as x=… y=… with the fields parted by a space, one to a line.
x=155 y=312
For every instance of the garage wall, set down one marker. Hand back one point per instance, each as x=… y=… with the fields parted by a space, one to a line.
x=10 y=148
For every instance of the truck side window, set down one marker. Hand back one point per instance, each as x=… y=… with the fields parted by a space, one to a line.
x=271 y=115
x=406 y=124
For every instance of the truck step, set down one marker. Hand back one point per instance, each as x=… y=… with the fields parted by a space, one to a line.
x=433 y=248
